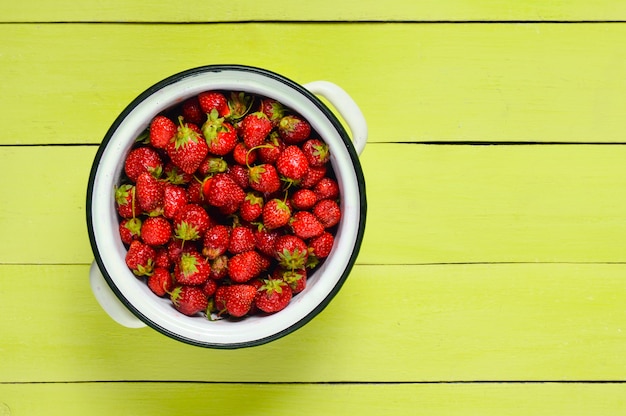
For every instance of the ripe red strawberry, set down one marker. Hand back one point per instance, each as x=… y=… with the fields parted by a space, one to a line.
x=212 y=165
x=174 y=198
x=236 y=300
x=296 y=279
x=209 y=287
x=241 y=239
x=276 y=214
x=149 y=193
x=219 y=134
x=162 y=258
x=188 y=148
x=244 y=266
x=271 y=149
x=294 y=129
x=127 y=206
x=161 y=281
x=216 y=241
x=130 y=230
x=140 y=160
x=305 y=225
x=291 y=252
x=273 y=109
x=191 y=222
x=189 y=300
x=239 y=174
x=214 y=100
x=264 y=178
x=273 y=296
x=219 y=267
x=156 y=231
x=194 y=192
x=328 y=212
x=176 y=248
x=321 y=245
x=251 y=208
x=140 y=258
x=265 y=240
x=192 y=112
x=174 y=175
x=316 y=152
x=243 y=155
x=303 y=199
x=254 y=129
x=161 y=131
x=326 y=188
x=292 y=163
x=221 y=190
x=192 y=269
x=313 y=176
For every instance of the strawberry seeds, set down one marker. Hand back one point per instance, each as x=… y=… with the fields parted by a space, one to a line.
x=228 y=203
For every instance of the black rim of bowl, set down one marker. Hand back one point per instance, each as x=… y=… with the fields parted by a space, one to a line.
x=355 y=163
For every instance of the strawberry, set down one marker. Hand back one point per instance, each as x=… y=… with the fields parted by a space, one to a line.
x=174 y=198
x=328 y=212
x=161 y=282
x=192 y=112
x=273 y=296
x=326 y=188
x=212 y=165
x=140 y=160
x=291 y=252
x=214 y=100
x=192 y=269
x=273 y=109
x=303 y=199
x=140 y=258
x=194 y=192
x=241 y=239
x=130 y=230
x=149 y=193
x=216 y=241
x=219 y=267
x=236 y=300
x=189 y=300
x=292 y=163
x=265 y=240
x=240 y=175
x=239 y=104
x=127 y=207
x=244 y=266
x=294 y=129
x=176 y=248
x=271 y=149
x=161 y=131
x=264 y=178
x=252 y=207
x=174 y=175
x=316 y=152
x=296 y=279
x=209 y=287
x=243 y=155
x=305 y=225
x=254 y=129
x=188 y=147
x=156 y=231
x=162 y=258
x=321 y=245
x=313 y=176
x=276 y=214
x=219 y=134
x=221 y=190
x=191 y=222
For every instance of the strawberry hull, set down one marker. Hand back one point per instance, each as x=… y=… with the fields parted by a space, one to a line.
x=131 y=302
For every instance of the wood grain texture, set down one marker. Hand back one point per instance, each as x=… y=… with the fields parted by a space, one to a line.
x=156 y=399
x=454 y=323
x=438 y=204
x=414 y=82
x=321 y=10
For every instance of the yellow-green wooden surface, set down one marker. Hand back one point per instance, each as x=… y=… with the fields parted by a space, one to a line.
x=492 y=276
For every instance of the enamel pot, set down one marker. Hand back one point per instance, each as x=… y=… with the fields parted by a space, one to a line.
x=129 y=301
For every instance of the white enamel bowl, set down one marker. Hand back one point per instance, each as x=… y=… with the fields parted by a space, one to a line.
x=130 y=302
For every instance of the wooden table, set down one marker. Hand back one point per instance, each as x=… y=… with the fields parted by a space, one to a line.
x=492 y=276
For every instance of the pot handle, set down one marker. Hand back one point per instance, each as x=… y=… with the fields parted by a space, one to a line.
x=109 y=302
x=346 y=106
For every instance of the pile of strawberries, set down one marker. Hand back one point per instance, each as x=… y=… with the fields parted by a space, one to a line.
x=227 y=204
